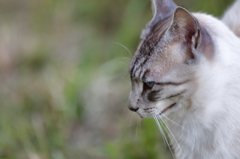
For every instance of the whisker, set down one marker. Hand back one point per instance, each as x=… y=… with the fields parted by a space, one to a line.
x=124 y=48
x=165 y=126
x=140 y=125
x=128 y=121
x=126 y=58
x=137 y=129
x=163 y=134
x=161 y=131
x=129 y=125
x=174 y=122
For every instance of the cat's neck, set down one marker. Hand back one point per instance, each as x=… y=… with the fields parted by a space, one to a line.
x=208 y=132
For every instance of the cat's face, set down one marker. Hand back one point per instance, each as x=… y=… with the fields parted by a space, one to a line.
x=163 y=68
x=161 y=73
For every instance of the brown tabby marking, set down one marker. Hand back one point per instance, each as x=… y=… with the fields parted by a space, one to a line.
x=148 y=45
x=167 y=108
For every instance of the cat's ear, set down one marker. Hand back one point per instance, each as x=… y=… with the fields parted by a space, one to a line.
x=185 y=27
x=162 y=9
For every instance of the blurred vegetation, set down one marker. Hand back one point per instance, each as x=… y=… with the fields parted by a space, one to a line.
x=64 y=81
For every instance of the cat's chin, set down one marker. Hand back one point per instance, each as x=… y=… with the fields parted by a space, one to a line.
x=146 y=115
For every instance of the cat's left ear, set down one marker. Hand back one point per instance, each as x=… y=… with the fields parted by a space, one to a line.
x=185 y=27
x=162 y=9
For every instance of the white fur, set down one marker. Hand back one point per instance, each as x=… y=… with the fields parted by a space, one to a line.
x=232 y=18
x=213 y=120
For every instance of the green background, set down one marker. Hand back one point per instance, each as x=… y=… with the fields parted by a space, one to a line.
x=64 y=80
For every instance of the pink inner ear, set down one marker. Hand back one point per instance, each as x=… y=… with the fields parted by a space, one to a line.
x=195 y=39
x=184 y=25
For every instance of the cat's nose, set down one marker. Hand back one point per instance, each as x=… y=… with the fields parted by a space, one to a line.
x=132 y=102
x=133 y=109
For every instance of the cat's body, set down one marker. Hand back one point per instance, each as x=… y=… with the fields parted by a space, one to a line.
x=187 y=70
x=213 y=119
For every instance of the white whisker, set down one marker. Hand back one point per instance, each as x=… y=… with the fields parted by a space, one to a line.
x=123 y=47
x=136 y=134
x=174 y=122
x=163 y=134
x=165 y=126
x=161 y=131
x=126 y=58
x=129 y=121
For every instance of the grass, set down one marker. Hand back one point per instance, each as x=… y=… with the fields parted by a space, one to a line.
x=64 y=79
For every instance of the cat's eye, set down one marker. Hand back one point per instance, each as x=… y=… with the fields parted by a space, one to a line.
x=150 y=84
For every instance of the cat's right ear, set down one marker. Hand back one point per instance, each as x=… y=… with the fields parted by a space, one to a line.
x=187 y=30
x=162 y=9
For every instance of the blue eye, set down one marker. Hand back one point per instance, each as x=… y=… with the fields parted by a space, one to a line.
x=150 y=84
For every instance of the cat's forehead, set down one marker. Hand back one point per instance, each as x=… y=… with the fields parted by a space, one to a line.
x=151 y=49
x=154 y=65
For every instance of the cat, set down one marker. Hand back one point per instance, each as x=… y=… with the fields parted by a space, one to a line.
x=186 y=71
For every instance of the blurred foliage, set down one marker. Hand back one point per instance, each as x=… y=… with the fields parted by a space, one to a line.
x=64 y=79
x=142 y=146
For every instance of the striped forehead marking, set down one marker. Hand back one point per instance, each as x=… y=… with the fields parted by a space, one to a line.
x=148 y=46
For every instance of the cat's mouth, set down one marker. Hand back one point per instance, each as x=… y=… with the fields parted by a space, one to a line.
x=167 y=108
x=150 y=111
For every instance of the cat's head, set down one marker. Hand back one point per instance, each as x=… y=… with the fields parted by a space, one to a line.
x=163 y=68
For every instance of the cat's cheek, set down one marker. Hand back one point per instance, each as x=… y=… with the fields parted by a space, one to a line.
x=163 y=104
